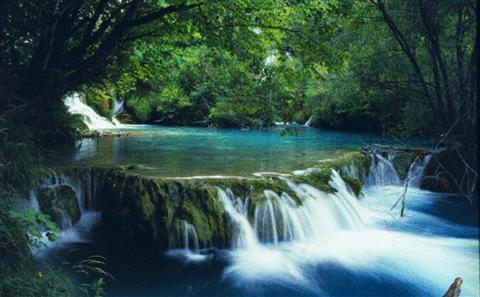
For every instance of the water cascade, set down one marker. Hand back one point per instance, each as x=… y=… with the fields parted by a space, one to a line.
x=184 y=243
x=279 y=218
x=382 y=171
x=71 y=203
x=244 y=234
x=307 y=240
x=184 y=236
x=93 y=120
x=84 y=186
x=118 y=106
x=308 y=123
x=284 y=241
x=415 y=172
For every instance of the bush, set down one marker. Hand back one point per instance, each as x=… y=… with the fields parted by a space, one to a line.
x=101 y=99
x=19 y=229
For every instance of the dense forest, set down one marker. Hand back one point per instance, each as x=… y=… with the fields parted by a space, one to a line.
x=400 y=69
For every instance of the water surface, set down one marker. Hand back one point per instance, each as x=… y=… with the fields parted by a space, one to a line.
x=175 y=151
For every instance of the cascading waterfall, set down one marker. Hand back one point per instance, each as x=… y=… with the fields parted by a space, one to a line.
x=118 y=106
x=245 y=236
x=382 y=171
x=93 y=120
x=184 y=243
x=84 y=187
x=279 y=218
x=284 y=241
x=415 y=172
x=184 y=237
x=308 y=123
x=302 y=243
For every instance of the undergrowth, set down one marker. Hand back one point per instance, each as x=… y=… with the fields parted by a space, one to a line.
x=20 y=273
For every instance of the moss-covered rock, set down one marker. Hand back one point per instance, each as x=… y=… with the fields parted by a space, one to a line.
x=59 y=202
x=402 y=162
x=143 y=208
x=353 y=161
x=402 y=159
x=353 y=168
x=148 y=210
x=354 y=184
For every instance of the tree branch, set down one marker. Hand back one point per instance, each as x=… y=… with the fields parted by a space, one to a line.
x=150 y=17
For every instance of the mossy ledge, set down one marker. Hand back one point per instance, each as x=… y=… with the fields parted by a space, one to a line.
x=146 y=210
x=59 y=202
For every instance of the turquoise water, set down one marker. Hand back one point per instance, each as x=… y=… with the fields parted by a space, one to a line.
x=351 y=247
x=418 y=255
x=174 y=151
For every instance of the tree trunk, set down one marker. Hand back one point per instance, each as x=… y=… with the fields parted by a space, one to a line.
x=454 y=290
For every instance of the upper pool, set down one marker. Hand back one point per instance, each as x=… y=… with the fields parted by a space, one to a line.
x=181 y=152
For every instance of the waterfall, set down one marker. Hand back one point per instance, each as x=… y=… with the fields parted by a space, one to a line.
x=83 y=186
x=93 y=120
x=415 y=172
x=279 y=218
x=382 y=171
x=308 y=123
x=184 y=243
x=84 y=189
x=33 y=200
x=184 y=236
x=244 y=234
x=118 y=106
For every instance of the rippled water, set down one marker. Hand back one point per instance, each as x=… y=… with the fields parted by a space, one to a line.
x=174 y=151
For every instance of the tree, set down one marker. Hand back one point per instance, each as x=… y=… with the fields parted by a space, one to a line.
x=51 y=47
x=442 y=47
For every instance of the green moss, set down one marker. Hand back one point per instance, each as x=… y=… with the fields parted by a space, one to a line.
x=355 y=184
x=68 y=201
x=148 y=208
x=57 y=201
x=357 y=159
x=318 y=178
x=253 y=187
x=402 y=162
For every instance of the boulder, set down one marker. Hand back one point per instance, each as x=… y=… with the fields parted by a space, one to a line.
x=60 y=203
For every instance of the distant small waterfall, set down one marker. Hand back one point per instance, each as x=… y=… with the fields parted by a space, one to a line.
x=118 y=106
x=93 y=120
x=308 y=123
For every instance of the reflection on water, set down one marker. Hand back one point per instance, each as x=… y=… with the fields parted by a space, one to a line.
x=170 y=151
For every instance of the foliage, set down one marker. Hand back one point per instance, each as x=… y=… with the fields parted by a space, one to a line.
x=95 y=289
x=101 y=99
x=32 y=221
x=20 y=227
x=30 y=281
